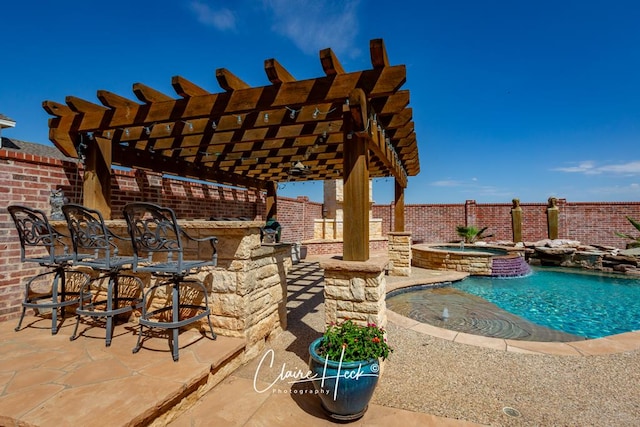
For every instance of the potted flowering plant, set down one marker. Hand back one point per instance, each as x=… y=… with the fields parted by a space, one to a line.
x=345 y=364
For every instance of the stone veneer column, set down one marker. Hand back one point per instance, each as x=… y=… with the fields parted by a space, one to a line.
x=399 y=250
x=355 y=290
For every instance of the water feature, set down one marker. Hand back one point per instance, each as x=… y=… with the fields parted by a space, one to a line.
x=548 y=305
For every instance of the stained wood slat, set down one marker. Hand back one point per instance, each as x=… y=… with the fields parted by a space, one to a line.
x=148 y=95
x=330 y=63
x=81 y=106
x=229 y=81
x=378 y=54
x=185 y=88
x=112 y=100
x=276 y=73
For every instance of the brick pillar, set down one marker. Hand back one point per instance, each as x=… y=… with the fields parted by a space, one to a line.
x=470 y=213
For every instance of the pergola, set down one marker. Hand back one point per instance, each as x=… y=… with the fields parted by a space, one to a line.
x=353 y=126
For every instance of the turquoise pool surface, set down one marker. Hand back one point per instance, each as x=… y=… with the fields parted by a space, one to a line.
x=548 y=305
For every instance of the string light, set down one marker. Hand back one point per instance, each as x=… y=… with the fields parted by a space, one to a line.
x=214 y=126
x=266 y=117
x=239 y=120
x=292 y=112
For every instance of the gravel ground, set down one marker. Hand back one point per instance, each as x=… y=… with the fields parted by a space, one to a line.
x=448 y=379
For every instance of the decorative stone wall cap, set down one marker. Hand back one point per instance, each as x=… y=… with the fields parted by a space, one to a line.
x=188 y=224
x=270 y=248
x=373 y=265
x=399 y=233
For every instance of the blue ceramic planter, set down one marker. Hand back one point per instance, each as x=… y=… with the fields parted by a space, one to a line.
x=344 y=388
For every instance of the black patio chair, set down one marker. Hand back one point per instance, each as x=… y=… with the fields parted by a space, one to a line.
x=94 y=245
x=155 y=233
x=42 y=244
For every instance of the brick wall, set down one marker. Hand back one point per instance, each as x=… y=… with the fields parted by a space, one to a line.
x=590 y=223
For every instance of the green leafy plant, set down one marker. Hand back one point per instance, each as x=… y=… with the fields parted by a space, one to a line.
x=472 y=234
x=359 y=342
x=635 y=239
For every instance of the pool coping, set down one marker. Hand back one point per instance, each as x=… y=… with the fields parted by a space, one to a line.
x=619 y=343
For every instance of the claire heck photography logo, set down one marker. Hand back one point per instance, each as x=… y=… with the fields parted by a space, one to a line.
x=344 y=349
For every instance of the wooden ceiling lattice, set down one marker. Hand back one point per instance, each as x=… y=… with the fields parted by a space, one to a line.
x=247 y=136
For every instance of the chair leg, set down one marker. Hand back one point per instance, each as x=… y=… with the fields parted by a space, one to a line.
x=74 y=335
x=55 y=300
x=213 y=334
x=139 y=342
x=176 y=318
x=24 y=310
x=81 y=303
x=112 y=295
x=175 y=348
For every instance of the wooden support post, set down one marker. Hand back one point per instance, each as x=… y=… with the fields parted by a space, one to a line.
x=356 y=194
x=96 y=184
x=398 y=212
x=272 y=200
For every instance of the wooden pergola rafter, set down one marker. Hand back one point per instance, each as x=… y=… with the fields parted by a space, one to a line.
x=246 y=136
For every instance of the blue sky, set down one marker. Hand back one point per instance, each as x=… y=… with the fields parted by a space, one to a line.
x=511 y=99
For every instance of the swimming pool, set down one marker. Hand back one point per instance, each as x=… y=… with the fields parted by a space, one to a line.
x=548 y=305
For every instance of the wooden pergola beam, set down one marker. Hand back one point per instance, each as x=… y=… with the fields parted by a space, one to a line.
x=249 y=136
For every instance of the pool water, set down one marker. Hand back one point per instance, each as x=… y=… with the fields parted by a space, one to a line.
x=547 y=305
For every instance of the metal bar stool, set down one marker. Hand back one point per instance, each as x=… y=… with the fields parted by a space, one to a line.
x=155 y=233
x=94 y=246
x=42 y=244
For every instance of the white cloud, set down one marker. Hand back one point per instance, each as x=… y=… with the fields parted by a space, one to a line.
x=222 y=19
x=630 y=191
x=315 y=25
x=447 y=183
x=590 y=168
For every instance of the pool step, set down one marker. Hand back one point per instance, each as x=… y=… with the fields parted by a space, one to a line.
x=509 y=267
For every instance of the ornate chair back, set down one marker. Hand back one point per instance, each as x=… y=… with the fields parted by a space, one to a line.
x=155 y=230
x=93 y=243
x=39 y=241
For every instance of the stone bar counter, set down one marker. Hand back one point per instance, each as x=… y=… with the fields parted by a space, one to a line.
x=248 y=285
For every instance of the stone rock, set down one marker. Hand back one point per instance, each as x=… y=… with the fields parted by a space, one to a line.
x=555 y=250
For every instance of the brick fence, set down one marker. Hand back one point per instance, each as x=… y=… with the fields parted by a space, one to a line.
x=29 y=179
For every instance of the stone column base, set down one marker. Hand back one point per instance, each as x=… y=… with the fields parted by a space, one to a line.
x=355 y=290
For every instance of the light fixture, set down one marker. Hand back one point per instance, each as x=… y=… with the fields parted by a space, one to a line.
x=168 y=128
x=126 y=132
x=239 y=120
x=315 y=113
x=299 y=169
x=147 y=130
x=214 y=126
x=292 y=114
x=266 y=117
